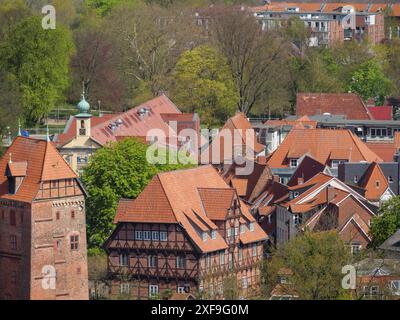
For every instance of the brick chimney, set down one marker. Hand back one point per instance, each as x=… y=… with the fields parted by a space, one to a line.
x=330 y=194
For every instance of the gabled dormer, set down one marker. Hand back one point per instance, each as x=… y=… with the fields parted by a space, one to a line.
x=15 y=173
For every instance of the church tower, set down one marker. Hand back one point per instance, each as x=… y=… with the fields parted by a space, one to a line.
x=83 y=119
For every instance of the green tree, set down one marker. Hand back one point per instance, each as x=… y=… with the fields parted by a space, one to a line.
x=315 y=261
x=39 y=60
x=385 y=224
x=369 y=81
x=119 y=170
x=311 y=73
x=204 y=84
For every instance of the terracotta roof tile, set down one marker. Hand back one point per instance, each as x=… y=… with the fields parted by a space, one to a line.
x=18 y=169
x=236 y=128
x=306 y=169
x=368 y=181
x=43 y=163
x=320 y=143
x=216 y=202
x=381 y=112
x=347 y=104
x=184 y=196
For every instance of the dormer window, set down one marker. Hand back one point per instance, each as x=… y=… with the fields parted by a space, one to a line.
x=204 y=236
x=296 y=194
x=390 y=179
x=293 y=163
x=355 y=179
x=242 y=228
x=251 y=226
x=214 y=234
x=15 y=173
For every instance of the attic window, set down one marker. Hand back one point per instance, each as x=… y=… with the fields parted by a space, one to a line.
x=355 y=179
x=251 y=226
x=390 y=179
x=377 y=183
x=293 y=163
x=214 y=234
x=15 y=173
x=296 y=194
x=204 y=236
x=242 y=229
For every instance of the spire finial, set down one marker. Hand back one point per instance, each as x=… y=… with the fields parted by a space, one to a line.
x=19 y=128
x=83 y=89
x=47 y=133
x=10 y=155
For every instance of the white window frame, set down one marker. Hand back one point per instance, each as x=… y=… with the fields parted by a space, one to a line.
x=292 y=161
x=251 y=226
x=180 y=262
x=123 y=259
x=355 y=248
x=146 y=235
x=296 y=219
x=153 y=290
x=152 y=261
x=395 y=287
x=180 y=289
x=138 y=235
x=155 y=236
x=163 y=236
x=125 y=288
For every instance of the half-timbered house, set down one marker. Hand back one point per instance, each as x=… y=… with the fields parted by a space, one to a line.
x=187 y=232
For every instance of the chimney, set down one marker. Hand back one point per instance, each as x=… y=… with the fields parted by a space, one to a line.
x=330 y=194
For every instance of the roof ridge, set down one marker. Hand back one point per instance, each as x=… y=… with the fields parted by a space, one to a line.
x=166 y=196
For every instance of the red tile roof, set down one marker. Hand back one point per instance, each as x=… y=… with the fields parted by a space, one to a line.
x=242 y=134
x=315 y=6
x=386 y=150
x=368 y=181
x=216 y=202
x=43 y=163
x=306 y=169
x=249 y=186
x=18 y=169
x=185 y=197
x=323 y=145
x=347 y=104
x=381 y=112
x=161 y=109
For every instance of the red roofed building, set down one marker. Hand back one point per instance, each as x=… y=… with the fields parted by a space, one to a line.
x=349 y=105
x=237 y=138
x=42 y=225
x=187 y=231
x=156 y=118
x=325 y=203
x=381 y=112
